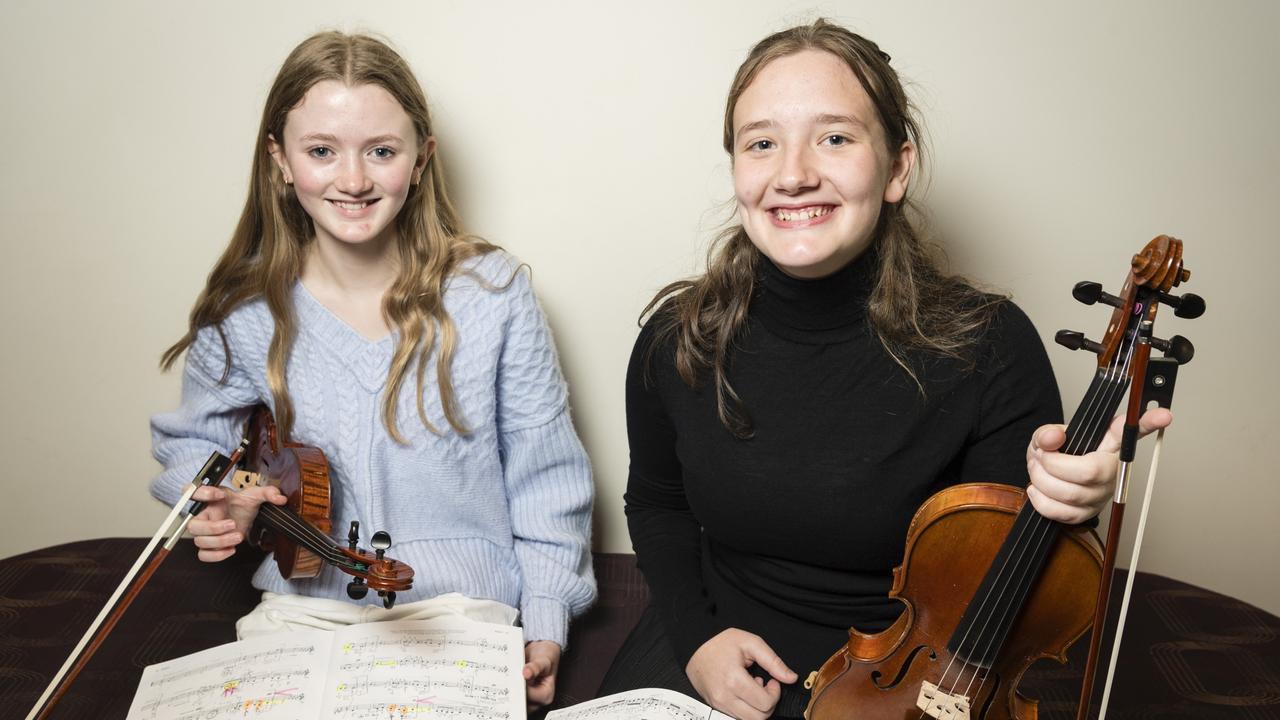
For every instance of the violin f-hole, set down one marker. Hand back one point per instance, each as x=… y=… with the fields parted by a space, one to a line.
x=904 y=668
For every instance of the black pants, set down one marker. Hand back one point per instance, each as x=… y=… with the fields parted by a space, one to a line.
x=646 y=660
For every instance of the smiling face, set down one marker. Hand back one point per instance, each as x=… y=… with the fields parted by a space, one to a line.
x=811 y=167
x=352 y=155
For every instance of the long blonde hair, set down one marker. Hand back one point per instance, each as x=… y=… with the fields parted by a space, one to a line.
x=267 y=250
x=913 y=306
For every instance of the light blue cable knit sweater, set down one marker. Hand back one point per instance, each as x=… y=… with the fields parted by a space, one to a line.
x=503 y=512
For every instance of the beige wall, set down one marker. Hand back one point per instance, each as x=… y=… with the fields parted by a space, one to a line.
x=585 y=139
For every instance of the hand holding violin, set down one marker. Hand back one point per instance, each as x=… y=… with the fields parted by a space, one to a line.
x=1073 y=488
x=227 y=517
x=718 y=671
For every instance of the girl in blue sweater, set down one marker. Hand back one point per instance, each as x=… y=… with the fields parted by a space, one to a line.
x=414 y=355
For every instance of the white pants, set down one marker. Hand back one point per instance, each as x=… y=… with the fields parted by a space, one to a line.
x=281 y=613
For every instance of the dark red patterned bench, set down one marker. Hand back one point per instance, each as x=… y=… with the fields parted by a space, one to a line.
x=1188 y=652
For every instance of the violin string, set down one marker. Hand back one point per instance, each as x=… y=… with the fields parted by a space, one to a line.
x=290 y=524
x=1041 y=532
x=982 y=612
x=1096 y=423
x=307 y=535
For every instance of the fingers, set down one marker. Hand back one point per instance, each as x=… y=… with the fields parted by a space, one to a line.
x=718 y=671
x=542 y=658
x=1154 y=419
x=536 y=668
x=272 y=494
x=758 y=650
x=1070 y=488
x=1047 y=438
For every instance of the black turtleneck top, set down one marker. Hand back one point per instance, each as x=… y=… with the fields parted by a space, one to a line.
x=793 y=534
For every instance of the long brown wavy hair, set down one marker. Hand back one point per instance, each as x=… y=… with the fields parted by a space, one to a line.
x=914 y=304
x=269 y=246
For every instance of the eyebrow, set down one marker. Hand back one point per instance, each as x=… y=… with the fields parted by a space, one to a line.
x=823 y=119
x=326 y=137
x=828 y=119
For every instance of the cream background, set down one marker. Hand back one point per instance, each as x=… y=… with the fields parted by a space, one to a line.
x=584 y=137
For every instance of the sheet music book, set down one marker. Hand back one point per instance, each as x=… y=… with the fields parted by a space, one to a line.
x=447 y=667
x=644 y=704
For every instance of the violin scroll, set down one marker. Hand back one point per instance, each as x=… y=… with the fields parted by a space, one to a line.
x=1154 y=271
x=379 y=572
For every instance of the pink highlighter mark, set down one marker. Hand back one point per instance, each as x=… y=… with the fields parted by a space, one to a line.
x=286 y=693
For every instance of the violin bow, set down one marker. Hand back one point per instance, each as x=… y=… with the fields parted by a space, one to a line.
x=1156 y=270
x=214 y=471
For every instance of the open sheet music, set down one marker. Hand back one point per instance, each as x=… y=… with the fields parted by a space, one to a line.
x=448 y=668
x=646 y=704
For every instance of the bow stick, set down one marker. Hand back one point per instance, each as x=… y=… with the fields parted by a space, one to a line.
x=215 y=470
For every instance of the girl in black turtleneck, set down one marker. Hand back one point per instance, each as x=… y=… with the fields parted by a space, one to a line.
x=790 y=410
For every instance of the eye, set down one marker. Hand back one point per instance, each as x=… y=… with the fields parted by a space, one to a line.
x=760 y=145
x=383 y=153
x=320 y=152
x=837 y=140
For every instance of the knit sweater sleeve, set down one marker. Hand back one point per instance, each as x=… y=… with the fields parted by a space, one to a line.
x=547 y=474
x=665 y=535
x=210 y=417
x=1019 y=395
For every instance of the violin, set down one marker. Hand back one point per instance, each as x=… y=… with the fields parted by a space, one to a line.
x=990 y=585
x=298 y=532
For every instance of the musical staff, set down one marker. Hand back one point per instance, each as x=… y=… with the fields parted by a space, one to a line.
x=644 y=704
x=449 y=668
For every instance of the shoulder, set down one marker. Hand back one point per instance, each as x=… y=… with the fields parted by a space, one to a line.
x=1010 y=333
x=654 y=352
x=493 y=270
x=244 y=333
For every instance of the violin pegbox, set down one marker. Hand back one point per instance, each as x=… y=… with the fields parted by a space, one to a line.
x=1154 y=272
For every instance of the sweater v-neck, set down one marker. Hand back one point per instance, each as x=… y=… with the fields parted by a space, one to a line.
x=367 y=359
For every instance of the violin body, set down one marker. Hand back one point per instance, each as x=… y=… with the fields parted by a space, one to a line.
x=302 y=475
x=952 y=541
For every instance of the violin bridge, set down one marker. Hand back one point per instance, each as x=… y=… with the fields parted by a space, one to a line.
x=244 y=479
x=943 y=705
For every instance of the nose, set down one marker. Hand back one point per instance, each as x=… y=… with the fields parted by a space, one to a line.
x=797 y=172
x=354 y=180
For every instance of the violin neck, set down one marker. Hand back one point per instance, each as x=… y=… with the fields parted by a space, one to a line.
x=287 y=523
x=995 y=607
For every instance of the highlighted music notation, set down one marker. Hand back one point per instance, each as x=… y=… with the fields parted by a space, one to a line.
x=448 y=667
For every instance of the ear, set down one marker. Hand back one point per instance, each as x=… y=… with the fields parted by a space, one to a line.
x=276 y=150
x=420 y=165
x=900 y=173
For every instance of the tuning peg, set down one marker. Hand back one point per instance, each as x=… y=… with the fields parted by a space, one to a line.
x=1176 y=347
x=388 y=598
x=1089 y=292
x=356 y=589
x=353 y=535
x=1188 y=305
x=1073 y=340
x=380 y=541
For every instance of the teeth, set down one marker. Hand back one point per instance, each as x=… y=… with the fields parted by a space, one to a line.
x=802 y=213
x=351 y=205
